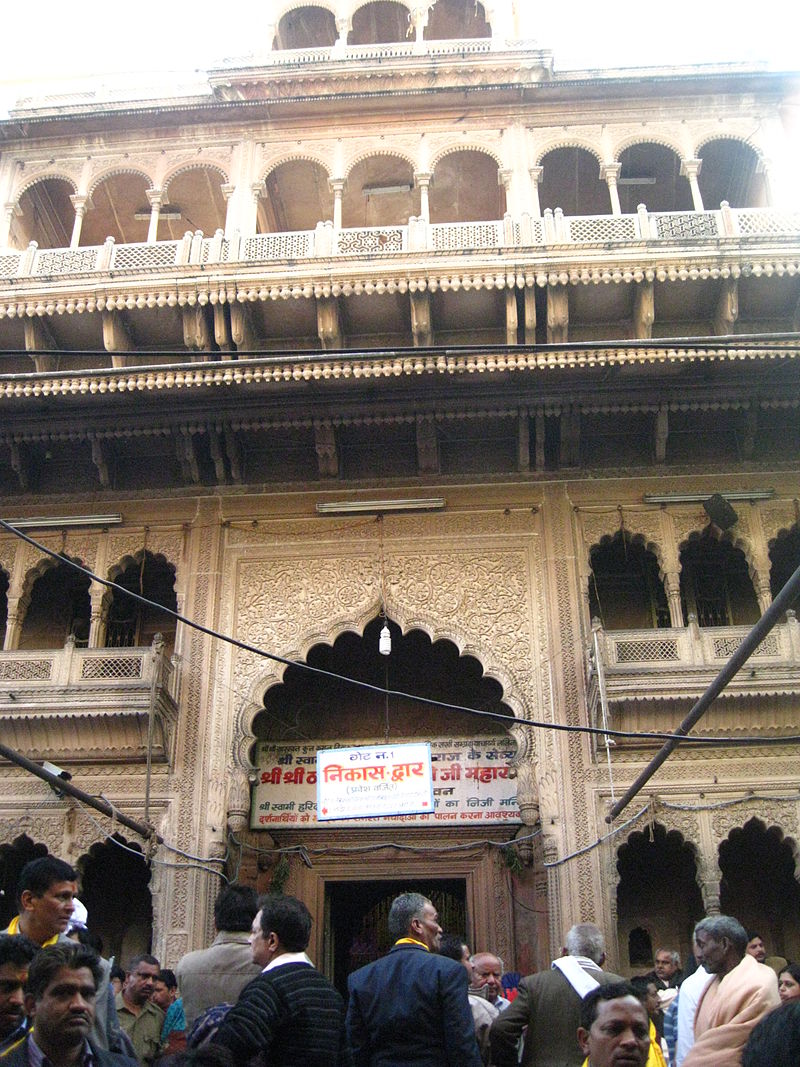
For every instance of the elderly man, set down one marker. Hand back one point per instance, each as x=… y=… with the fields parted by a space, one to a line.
x=614 y=1028
x=741 y=992
x=667 y=970
x=549 y=1005
x=487 y=974
x=483 y=1013
x=411 y=1006
x=60 y=997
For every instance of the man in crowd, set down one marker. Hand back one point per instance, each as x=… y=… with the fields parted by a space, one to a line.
x=290 y=1014
x=740 y=993
x=165 y=996
x=613 y=1029
x=483 y=1013
x=218 y=974
x=16 y=954
x=60 y=997
x=410 y=1006
x=758 y=950
x=667 y=970
x=549 y=1005
x=487 y=971
x=139 y=1017
x=688 y=997
x=46 y=890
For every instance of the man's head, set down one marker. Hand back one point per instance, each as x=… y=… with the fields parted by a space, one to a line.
x=140 y=979
x=456 y=949
x=413 y=915
x=667 y=964
x=720 y=943
x=775 y=1041
x=586 y=939
x=235 y=908
x=488 y=972
x=647 y=992
x=60 y=995
x=45 y=891
x=614 y=1030
x=165 y=988
x=16 y=954
x=282 y=924
x=755 y=946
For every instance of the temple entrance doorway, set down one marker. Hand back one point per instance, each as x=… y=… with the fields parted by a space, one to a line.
x=356 y=916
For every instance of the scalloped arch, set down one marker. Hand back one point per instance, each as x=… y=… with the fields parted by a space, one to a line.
x=302 y=157
x=183 y=168
x=294 y=5
x=781 y=533
x=570 y=142
x=635 y=538
x=115 y=569
x=370 y=153
x=114 y=171
x=368 y=3
x=739 y=138
x=742 y=543
x=469 y=146
x=641 y=827
x=638 y=139
x=765 y=826
x=273 y=674
x=44 y=177
x=40 y=567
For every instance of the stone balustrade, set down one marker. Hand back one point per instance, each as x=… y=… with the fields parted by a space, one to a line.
x=553 y=230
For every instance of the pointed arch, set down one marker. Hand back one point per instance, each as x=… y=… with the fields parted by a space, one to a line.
x=626 y=587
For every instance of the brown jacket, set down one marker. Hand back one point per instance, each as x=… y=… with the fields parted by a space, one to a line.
x=215 y=975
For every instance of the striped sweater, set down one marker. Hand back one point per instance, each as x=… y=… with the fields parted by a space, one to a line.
x=290 y=1014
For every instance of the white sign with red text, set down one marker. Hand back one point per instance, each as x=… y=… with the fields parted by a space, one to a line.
x=363 y=783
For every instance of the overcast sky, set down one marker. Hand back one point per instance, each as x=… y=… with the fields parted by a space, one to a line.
x=46 y=41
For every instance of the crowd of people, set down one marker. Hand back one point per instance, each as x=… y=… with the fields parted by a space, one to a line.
x=255 y=997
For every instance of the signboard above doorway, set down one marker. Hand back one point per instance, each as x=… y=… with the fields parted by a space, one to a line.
x=375 y=780
x=472 y=781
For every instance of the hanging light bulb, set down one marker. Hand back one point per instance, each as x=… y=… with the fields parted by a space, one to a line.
x=385 y=642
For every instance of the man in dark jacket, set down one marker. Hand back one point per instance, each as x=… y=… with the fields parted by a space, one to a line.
x=290 y=1013
x=410 y=1008
x=60 y=997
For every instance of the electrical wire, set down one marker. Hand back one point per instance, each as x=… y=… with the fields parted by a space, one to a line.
x=642 y=735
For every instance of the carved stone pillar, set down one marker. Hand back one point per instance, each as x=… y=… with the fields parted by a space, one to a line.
x=423 y=180
x=536 y=176
x=709 y=878
x=421 y=319
x=644 y=310
x=344 y=25
x=557 y=314
x=10 y=212
x=727 y=309
x=504 y=178
x=661 y=433
x=672 y=587
x=336 y=186
x=81 y=205
x=13 y=624
x=418 y=18
x=156 y=200
x=690 y=168
x=764 y=166
x=98 y=620
x=609 y=173
x=238 y=801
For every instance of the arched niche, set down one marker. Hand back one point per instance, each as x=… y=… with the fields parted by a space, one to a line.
x=58 y=607
x=730 y=172
x=716 y=586
x=13 y=857
x=784 y=554
x=115 y=888
x=305 y=704
x=571 y=180
x=450 y=20
x=129 y=623
x=120 y=209
x=650 y=174
x=625 y=587
x=305 y=27
x=465 y=188
x=380 y=22
x=4 y=582
x=298 y=196
x=649 y=862
x=195 y=196
x=47 y=215
x=759 y=885
x=380 y=192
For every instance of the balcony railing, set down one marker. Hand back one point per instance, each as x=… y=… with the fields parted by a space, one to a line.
x=553 y=229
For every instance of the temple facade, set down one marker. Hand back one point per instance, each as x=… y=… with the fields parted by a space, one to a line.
x=393 y=334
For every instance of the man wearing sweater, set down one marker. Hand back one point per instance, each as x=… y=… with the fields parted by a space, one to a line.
x=290 y=1013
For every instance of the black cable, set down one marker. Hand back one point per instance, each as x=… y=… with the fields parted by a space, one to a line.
x=648 y=735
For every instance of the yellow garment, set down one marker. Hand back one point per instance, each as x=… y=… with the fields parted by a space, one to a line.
x=655 y=1057
x=13 y=928
x=412 y=941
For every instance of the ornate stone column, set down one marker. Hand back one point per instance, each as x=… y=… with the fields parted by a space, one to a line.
x=690 y=168
x=418 y=17
x=81 y=205
x=10 y=211
x=536 y=176
x=709 y=878
x=672 y=587
x=423 y=180
x=609 y=172
x=504 y=176
x=344 y=25
x=156 y=200
x=336 y=186
x=98 y=619
x=13 y=624
x=764 y=166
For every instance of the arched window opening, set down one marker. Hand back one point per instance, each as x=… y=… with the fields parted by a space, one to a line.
x=625 y=588
x=715 y=583
x=759 y=886
x=133 y=624
x=3 y=606
x=648 y=916
x=650 y=174
x=306 y=27
x=13 y=858
x=784 y=554
x=381 y=22
x=194 y=202
x=379 y=192
x=115 y=887
x=298 y=197
x=571 y=180
x=465 y=189
x=59 y=608
x=730 y=172
x=456 y=20
x=46 y=215
x=120 y=209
